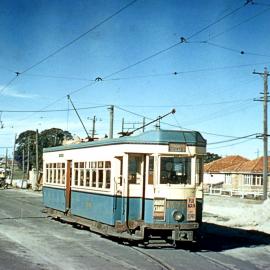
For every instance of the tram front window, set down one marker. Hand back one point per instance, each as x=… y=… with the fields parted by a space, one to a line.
x=175 y=170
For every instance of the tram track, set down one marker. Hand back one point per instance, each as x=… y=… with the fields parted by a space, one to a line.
x=217 y=263
x=164 y=265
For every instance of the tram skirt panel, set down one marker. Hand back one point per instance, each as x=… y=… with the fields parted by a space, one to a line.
x=54 y=198
x=98 y=207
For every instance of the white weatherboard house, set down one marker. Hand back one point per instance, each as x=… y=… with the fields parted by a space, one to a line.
x=214 y=171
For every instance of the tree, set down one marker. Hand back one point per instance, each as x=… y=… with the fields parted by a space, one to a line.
x=211 y=157
x=24 y=142
x=47 y=138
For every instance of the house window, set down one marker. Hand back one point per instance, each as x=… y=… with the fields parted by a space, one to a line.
x=248 y=179
x=228 y=179
x=257 y=180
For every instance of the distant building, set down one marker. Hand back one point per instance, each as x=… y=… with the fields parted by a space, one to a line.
x=247 y=176
x=214 y=171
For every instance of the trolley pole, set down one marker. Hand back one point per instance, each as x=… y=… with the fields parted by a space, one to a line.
x=264 y=99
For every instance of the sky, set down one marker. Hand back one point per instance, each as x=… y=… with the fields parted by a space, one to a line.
x=151 y=56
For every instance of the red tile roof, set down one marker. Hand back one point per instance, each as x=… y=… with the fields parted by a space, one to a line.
x=251 y=166
x=221 y=164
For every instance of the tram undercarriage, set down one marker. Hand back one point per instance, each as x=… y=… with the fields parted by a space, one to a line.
x=133 y=231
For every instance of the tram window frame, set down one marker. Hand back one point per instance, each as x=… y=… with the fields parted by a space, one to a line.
x=92 y=174
x=199 y=170
x=87 y=177
x=135 y=169
x=151 y=170
x=76 y=173
x=173 y=173
x=63 y=173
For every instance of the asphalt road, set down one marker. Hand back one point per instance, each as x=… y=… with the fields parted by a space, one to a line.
x=30 y=240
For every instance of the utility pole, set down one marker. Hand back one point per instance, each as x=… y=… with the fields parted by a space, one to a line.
x=37 y=165
x=23 y=161
x=6 y=163
x=264 y=99
x=13 y=161
x=111 y=110
x=28 y=156
x=94 y=127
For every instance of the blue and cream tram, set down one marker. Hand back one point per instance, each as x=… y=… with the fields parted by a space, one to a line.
x=138 y=187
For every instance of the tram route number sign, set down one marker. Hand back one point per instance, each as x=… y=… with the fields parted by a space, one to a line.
x=191 y=209
x=177 y=147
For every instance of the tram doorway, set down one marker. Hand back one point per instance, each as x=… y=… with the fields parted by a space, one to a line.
x=68 y=184
x=136 y=186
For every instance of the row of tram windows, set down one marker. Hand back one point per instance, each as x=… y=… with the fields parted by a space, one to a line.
x=55 y=173
x=94 y=174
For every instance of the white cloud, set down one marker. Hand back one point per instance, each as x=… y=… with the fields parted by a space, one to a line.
x=9 y=92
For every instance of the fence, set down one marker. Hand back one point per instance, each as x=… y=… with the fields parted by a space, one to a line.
x=242 y=193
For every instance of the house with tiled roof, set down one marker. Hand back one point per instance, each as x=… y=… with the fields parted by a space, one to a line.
x=214 y=171
x=247 y=176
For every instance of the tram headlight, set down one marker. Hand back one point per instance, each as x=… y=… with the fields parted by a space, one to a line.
x=177 y=215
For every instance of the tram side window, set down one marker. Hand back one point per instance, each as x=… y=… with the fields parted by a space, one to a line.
x=151 y=171
x=63 y=174
x=94 y=178
x=50 y=173
x=108 y=174
x=134 y=169
x=82 y=164
x=76 y=173
x=54 y=173
x=58 y=165
x=87 y=177
x=47 y=173
x=175 y=170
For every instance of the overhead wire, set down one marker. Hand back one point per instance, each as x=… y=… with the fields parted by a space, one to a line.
x=8 y=84
x=53 y=110
x=242 y=52
x=137 y=62
x=177 y=126
x=80 y=36
x=172 y=73
x=218 y=20
x=240 y=23
x=67 y=45
x=230 y=145
x=234 y=139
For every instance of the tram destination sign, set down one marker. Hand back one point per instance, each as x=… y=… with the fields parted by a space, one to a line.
x=177 y=147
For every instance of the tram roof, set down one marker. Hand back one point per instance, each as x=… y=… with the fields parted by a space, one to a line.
x=191 y=138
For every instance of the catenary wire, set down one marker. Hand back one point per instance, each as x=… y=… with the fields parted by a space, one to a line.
x=8 y=84
x=79 y=37
x=242 y=52
x=53 y=110
x=218 y=20
x=144 y=59
x=240 y=23
x=230 y=145
x=174 y=73
x=67 y=45
x=177 y=126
